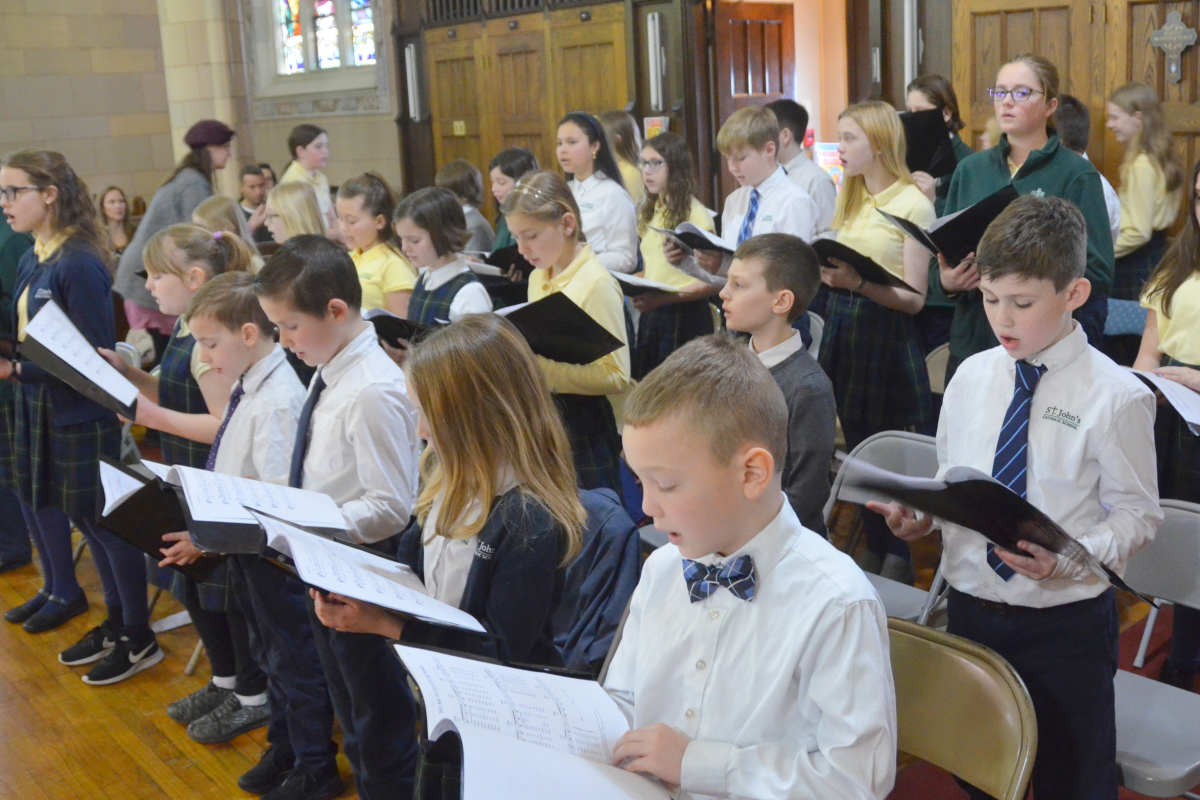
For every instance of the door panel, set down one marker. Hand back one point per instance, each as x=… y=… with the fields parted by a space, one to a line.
x=516 y=86
x=588 y=60
x=453 y=68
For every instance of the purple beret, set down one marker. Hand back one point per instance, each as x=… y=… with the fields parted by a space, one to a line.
x=208 y=131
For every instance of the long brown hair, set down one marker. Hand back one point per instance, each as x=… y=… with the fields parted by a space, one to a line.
x=940 y=93
x=73 y=211
x=621 y=129
x=102 y=218
x=199 y=159
x=676 y=198
x=1182 y=259
x=377 y=200
x=510 y=426
x=1155 y=139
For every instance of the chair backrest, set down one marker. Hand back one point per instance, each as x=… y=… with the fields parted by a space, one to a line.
x=816 y=329
x=1125 y=318
x=935 y=365
x=962 y=708
x=1169 y=567
x=896 y=451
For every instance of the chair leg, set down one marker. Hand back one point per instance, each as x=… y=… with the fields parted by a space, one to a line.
x=154 y=598
x=937 y=591
x=78 y=554
x=190 y=669
x=1139 y=660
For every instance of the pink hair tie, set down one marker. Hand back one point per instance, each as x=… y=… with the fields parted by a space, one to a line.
x=218 y=234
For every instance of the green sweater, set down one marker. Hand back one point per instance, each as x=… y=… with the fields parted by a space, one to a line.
x=1052 y=171
x=503 y=237
x=12 y=246
x=942 y=186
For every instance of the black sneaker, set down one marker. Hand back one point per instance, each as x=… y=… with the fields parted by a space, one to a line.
x=94 y=646
x=272 y=767
x=124 y=661
x=55 y=613
x=228 y=720
x=300 y=784
x=187 y=710
x=18 y=614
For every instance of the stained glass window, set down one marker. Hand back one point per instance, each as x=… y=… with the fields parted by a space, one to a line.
x=362 y=28
x=329 y=51
x=291 y=38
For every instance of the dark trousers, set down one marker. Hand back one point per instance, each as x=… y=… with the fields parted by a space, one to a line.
x=1185 y=639
x=1067 y=656
x=370 y=695
x=226 y=639
x=14 y=533
x=281 y=640
x=880 y=539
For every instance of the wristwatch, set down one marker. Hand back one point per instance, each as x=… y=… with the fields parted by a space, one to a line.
x=858 y=289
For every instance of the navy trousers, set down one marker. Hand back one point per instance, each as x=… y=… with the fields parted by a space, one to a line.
x=1067 y=656
x=281 y=641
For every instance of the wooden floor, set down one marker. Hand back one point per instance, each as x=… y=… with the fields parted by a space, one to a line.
x=61 y=739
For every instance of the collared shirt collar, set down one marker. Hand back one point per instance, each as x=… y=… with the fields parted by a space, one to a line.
x=259 y=372
x=563 y=278
x=796 y=163
x=1061 y=353
x=767 y=546
x=350 y=355
x=44 y=250
x=888 y=194
x=591 y=181
x=1036 y=157
x=773 y=356
x=437 y=278
x=774 y=180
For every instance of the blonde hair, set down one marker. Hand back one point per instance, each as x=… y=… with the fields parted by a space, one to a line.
x=880 y=122
x=544 y=196
x=220 y=213
x=1155 y=138
x=218 y=252
x=296 y=204
x=752 y=126
x=715 y=378
x=510 y=425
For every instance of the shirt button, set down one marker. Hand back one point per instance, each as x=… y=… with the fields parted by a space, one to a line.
x=690 y=714
x=700 y=665
x=714 y=613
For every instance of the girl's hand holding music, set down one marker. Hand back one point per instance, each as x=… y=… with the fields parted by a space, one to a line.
x=840 y=276
x=182 y=552
x=355 y=616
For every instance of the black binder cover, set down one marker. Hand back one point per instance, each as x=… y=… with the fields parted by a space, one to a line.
x=930 y=148
x=242 y=538
x=956 y=236
x=147 y=514
x=694 y=241
x=393 y=329
x=866 y=267
x=504 y=292
x=36 y=352
x=508 y=257
x=559 y=330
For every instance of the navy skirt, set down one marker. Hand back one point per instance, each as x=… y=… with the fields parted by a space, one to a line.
x=666 y=329
x=1132 y=271
x=595 y=443
x=1178 y=451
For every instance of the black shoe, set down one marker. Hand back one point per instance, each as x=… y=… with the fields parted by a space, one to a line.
x=1180 y=679
x=124 y=661
x=300 y=784
x=18 y=614
x=94 y=646
x=14 y=563
x=228 y=721
x=272 y=767
x=204 y=701
x=55 y=613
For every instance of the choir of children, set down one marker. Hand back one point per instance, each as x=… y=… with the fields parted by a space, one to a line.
x=754 y=657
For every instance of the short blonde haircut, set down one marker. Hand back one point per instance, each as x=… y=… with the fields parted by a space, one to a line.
x=750 y=127
x=723 y=393
x=221 y=213
x=510 y=425
x=230 y=300
x=885 y=133
x=296 y=204
x=218 y=252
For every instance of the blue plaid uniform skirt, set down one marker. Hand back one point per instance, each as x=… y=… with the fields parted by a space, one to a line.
x=8 y=444
x=666 y=329
x=873 y=357
x=1178 y=451
x=1132 y=271
x=595 y=443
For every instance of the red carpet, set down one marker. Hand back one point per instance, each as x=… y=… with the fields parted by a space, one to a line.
x=925 y=782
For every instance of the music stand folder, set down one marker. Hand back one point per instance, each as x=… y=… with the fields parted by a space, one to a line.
x=557 y=329
x=866 y=267
x=929 y=147
x=39 y=354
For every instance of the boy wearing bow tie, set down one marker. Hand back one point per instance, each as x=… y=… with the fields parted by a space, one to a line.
x=754 y=660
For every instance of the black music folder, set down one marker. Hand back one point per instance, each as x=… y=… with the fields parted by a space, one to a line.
x=930 y=148
x=692 y=237
x=956 y=235
x=394 y=330
x=557 y=329
x=866 y=267
x=634 y=285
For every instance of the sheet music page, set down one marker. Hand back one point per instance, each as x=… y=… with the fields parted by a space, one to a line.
x=161 y=470
x=565 y=714
x=691 y=227
x=118 y=486
x=355 y=573
x=634 y=280
x=54 y=330
x=495 y=766
x=1183 y=399
x=213 y=497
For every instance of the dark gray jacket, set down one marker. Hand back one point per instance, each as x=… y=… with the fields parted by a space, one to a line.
x=812 y=426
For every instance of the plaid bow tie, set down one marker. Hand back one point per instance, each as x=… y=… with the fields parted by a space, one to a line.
x=703 y=579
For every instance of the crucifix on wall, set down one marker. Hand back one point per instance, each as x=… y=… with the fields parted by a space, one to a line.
x=1173 y=38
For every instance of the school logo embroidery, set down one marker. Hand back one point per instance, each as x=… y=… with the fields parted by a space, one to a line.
x=1038 y=193
x=767 y=218
x=485 y=551
x=43 y=294
x=366 y=276
x=1062 y=417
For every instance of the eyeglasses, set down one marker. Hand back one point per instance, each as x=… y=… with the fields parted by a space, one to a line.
x=11 y=193
x=1019 y=95
x=653 y=165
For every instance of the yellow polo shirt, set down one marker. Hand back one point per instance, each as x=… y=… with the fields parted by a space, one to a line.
x=872 y=235
x=656 y=266
x=317 y=180
x=1146 y=205
x=382 y=271
x=632 y=176
x=593 y=288
x=1179 y=335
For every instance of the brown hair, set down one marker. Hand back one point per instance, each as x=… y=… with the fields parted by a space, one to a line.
x=1035 y=238
x=676 y=198
x=378 y=200
x=437 y=212
x=217 y=251
x=73 y=212
x=301 y=136
x=940 y=93
x=221 y=213
x=1182 y=259
x=1047 y=75
x=199 y=159
x=1155 y=139
x=464 y=179
x=752 y=126
x=885 y=133
x=308 y=271
x=723 y=392
x=544 y=196
x=231 y=301
x=621 y=130
x=787 y=262
x=511 y=424
x=102 y=219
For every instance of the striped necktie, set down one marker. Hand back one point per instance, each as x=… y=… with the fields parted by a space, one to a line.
x=1012 y=447
x=234 y=399
x=751 y=214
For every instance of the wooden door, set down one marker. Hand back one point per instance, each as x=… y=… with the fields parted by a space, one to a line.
x=453 y=57
x=755 y=60
x=587 y=60
x=516 y=91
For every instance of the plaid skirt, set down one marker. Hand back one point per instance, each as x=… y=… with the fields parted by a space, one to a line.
x=666 y=329
x=873 y=357
x=59 y=466
x=1178 y=451
x=8 y=444
x=595 y=443
x=1132 y=271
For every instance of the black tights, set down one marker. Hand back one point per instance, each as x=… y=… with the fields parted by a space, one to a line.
x=227 y=642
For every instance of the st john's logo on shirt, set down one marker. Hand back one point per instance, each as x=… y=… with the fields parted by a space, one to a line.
x=1062 y=417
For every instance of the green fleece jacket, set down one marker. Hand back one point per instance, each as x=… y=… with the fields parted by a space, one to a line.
x=1052 y=171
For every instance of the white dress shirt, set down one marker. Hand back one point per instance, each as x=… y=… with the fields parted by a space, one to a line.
x=1091 y=464
x=448 y=561
x=773 y=356
x=783 y=207
x=257 y=442
x=1112 y=203
x=608 y=220
x=470 y=299
x=788 y=695
x=363 y=445
x=819 y=186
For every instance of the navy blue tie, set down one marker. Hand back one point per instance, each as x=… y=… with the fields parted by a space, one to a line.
x=751 y=214
x=296 y=476
x=703 y=579
x=234 y=399
x=1012 y=447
